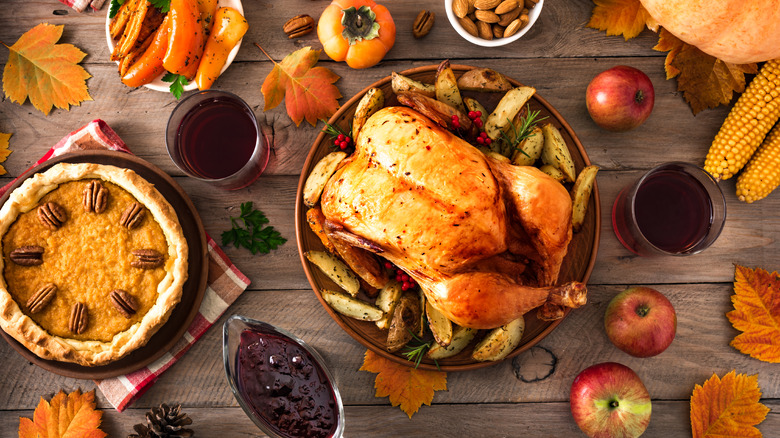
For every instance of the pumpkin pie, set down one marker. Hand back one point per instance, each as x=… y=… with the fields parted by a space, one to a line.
x=93 y=263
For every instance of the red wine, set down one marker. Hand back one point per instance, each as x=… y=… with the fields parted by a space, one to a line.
x=673 y=210
x=217 y=137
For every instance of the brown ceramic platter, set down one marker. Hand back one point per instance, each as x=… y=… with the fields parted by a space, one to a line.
x=194 y=287
x=577 y=265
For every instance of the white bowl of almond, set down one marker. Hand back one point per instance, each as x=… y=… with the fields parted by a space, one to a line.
x=492 y=23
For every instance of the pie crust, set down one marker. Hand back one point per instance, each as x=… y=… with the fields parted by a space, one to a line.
x=92 y=352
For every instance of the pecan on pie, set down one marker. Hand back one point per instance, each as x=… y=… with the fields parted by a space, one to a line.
x=93 y=263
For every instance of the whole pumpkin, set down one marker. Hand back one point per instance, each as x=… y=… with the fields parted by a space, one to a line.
x=735 y=31
x=359 y=32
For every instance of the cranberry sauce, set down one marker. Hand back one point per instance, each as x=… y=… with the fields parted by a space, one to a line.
x=285 y=386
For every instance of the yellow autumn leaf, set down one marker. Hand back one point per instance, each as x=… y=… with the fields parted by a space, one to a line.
x=64 y=416
x=756 y=313
x=405 y=386
x=728 y=407
x=5 y=151
x=620 y=17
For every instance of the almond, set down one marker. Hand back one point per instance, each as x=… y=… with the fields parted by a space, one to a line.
x=506 y=6
x=530 y=3
x=460 y=8
x=515 y=26
x=487 y=16
x=469 y=26
x=509 y=17
x=485 y=31
x=498 y=31
x=486 y=4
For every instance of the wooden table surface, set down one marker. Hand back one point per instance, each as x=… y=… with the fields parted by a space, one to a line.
x=558 y=56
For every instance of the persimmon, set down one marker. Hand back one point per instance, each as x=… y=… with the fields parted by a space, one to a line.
x=359 y=32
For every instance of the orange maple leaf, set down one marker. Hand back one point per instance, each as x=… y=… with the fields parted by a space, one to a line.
x=667 y=42
x=727 y=407
x=620 y=17
x=46 y=72
x=756 y=313
x=405 y=386
x=308 y=91
x=705 y=80
x=65 y=416
x=4 y=150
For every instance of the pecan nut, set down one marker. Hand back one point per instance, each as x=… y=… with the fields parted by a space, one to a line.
x=298 y=26
x=423 y=23
x=132 y=216
x=77 y=322
x=123 y=302
x=30 y=255
x=42 y=297
x=52 y=215
x=147 y=259
x=95 y=197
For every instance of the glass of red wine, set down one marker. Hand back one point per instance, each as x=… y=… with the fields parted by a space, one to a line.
x=213 y=136
x=674 y=209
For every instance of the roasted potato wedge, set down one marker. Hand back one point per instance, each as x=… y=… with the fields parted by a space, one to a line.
x=461 y=337
x=447 y=87
x=484 y=79
x=499 y=342
x=440 y=326
x=336 y=270
x=497 y=156
x=556 y=152
x=372 y=101
x=554 y=172
x=316 y=220
x=532 y=146
x=580 y=195
x=351 y=307
x=403 y=84
x=319 y=176
x=388 y=298
x=439 y=112
x=405 y=322
x=507 y=108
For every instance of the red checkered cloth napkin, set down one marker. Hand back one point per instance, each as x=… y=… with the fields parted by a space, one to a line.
x=80 y=5
x=225 y=281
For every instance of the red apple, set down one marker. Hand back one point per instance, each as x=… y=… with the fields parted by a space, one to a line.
x=608 y=400
x=640 y=321
x=620 y=99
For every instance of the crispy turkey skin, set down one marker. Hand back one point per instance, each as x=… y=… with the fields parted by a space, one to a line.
x=484 y=239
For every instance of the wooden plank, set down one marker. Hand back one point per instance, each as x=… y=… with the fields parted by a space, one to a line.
x=669 y=418
x=559 y=32
x=699 y=350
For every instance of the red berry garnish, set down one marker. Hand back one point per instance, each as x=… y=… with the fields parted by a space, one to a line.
x=405 y=286
x=488 y=141
x=478 y=113
x=340 y=137
x=336 y=142
x=480 y=140
x=388 y=265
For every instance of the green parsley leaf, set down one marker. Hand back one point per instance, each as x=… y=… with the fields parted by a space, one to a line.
x=163 y=5
x=113 y=8
x=249 y=231
x=177 y=83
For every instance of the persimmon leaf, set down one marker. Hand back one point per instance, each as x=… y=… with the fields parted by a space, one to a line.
x=727 y=407
x=406 y=387
x=45 y=72
x=756 y=313
x=64 y=416
x=620 y=17
x=5 y=151
x=308 y=91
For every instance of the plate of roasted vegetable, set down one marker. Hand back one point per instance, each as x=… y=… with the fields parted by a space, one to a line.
x=448 y=217
x=176 y=45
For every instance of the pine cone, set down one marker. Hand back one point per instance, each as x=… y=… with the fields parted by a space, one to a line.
x=164 y=422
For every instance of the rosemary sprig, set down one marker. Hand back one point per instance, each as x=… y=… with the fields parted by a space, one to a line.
x=527 y=123
x=415 y=353
x=334 y=130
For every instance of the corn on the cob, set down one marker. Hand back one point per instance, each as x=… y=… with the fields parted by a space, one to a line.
x=762 y=173
x=754 y=114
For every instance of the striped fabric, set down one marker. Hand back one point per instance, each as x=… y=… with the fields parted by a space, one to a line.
x=225 y=282
x=80 y=5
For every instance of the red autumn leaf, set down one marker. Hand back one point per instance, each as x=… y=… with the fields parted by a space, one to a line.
x=756 y=313
x=405 y=386
x=45 y=72
x=308 y=91
x=620 y=17
x=65 y=416
x=727 y=407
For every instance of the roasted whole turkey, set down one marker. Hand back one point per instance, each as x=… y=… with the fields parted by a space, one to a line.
x=483 y=238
